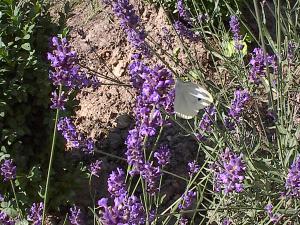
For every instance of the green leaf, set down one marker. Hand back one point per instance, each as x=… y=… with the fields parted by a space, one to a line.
x=26 y=37
x=26 y=46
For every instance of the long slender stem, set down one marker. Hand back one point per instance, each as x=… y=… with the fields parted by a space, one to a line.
x=50 y=164
x=15 y=195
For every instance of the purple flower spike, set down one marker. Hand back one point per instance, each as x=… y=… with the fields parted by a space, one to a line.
x=58 y=102
x=134 y=149
x=183 y=13
x=207 y=121
x=163 y=155
x=151 y=175
x=75 y=216
x=125 y=209
x=36 y=213
x=241 y=97
x=95 y=168
x=226 y=221
x=229 y=172
x=187 y=199
x=292 y=183
x=183 y=221
x=75 y=140
x=185 y=32
x=235 y=29
x=258 y=65
x=66 y=71
x=116 y=183
x=8 y=170
x=5 y=220
x=193 y=168
x=275 y=218
x=130 y=22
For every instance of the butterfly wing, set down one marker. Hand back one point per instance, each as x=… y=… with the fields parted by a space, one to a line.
x=181 y=106
x=190 y=98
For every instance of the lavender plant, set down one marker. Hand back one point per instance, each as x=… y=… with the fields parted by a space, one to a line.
x=246 y=167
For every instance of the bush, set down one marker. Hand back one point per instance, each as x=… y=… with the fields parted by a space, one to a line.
x=24 y=78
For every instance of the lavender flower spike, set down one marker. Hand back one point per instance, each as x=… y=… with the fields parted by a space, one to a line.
x=207 y=121
x=187 y=199
x=193 y=168
x=235 y=29
x=8 y=170
x=229 y=172
x=162 y=155
x=183 y=13
x=130 y=22
x=75 y=216
x=292 y=183
x=185 y=32
x=259 y=64
x=125 y=209
x=241 y=97
x=95 y=168
x=58 y=101
x=36 y=213
x=116 y=183
x=5 y=220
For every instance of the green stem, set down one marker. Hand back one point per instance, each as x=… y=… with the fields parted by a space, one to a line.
x=50 y=164
x=15 y=195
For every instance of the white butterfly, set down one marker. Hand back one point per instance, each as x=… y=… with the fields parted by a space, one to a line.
x=190 y=98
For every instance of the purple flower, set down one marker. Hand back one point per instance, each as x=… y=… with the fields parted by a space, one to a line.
x=185 y=32
x=187 y=199
x=183 y=221
x=95 y=168
x=138 y=71
x=226 y=221
x=126 y=209
x=75 y=140
x=68 y=130
x=183 y=13
x=116 y=183
x=1 y=198
x=235 y=29
x=258 y=65
x=241 y=97
x=66 y=71
x=134 y=151
x=157 y=92
x=207 y=121
x=58 y=101
x=275 y=218
x=8 y=170
x=163 y=155
x=130 y=22
x=5 y=220
x=150 y=174
x=36 y=213
x=193 y=168
x=292 y=183
x=229 y=172
x=75 y=216
x=88 y=145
